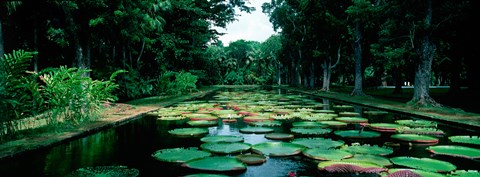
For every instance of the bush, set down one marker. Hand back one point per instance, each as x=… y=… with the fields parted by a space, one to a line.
x=176 y=83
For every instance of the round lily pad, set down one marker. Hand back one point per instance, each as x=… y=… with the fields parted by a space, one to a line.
x=217 y=163
x=334 y=123
x=427 y=164
x=357 y=134
x=465 y=173
x=456 y=151
x=188 y=132
x=416 y=123
x=256 y=130
x=206 y=175
x=465 y=139
x=318 y=143
x=324 y=111
x=105 y=171
x=348 y=114
x=379 y=160
x=255 y=118
x=222 y=138
x=223 y=112
x=310 y=131
x=202 y=123
x=384 y=127
x=326 y=154
x=416 y=139
x=172 y=118
x=369 y=149
x=277 y=148
x=279 y=136
x=343 y=108
x=334 y=166
x=226 y=147
x=267 y=123
x=352 y=120
x=319 y=117
x=251 y=159
x=421 y=131
x=179 y=155
x=307 y=124
x=197 y=116
x=422 y=173
x=230 y=116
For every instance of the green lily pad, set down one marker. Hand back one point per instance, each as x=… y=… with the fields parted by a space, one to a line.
x=179 y=155
x=282 y=117
x=334 y=166
x=277 y=148
x=279 y=136
x=196 y=116
x=223 y=112
x=226 y=147
x=427 y=164
x=310 y=131
x=202 y=123
x=222 y=138
x=384 y=127
x=379 y=160
x=456 y=151
x=421 y=131
x=188 y=132
x=308 y=124
x=326 y=111
x=465 y=173
x=375 y=113
x=348 y=114
x=105 y=171
x=416 y=123
x=326 y=154
x=416 y=139
x=343 y=108
x=256 y=130
x=465 y=139
x=251 y=159
x=230 y=116
x=369 y=149
x=216 y=164
x=206 y=175
x=352 y=120
x=318 y=142
x=417 y=171
x=255 y=118
x=357 y=134
x=334 y=123
x=267 y=123
x=172 y=118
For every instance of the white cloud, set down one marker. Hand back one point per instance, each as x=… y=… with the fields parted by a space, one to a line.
x=253 y=27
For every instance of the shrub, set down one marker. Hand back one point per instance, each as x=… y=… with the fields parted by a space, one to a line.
x=176 y=83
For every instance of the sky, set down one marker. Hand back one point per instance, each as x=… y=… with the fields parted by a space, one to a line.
x=252 y=27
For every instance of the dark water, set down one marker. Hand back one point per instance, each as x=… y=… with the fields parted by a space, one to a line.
x=132 y=145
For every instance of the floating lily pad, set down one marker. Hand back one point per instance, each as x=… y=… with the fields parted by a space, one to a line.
x=326 y=154
x=223 y=112
x=379 y=160
x=422 y=173
x=421 y=131
x=350 y=167
x=318 y=117
x=255 y=118
x=427 y=164
x=216 y=164
x=324 y=110
x=282 y=117
x=416 y=139
x=334 y=124
x=179 y=155
x=252 y=159
x=206 y=175
x=369 y=149
x=267 y=123
x=105 y=171
x=277 y=148
x=279 y=136
x=197 y=116
x=465 y=173
x=416 y=123
x=202 y=123
x=357 y=134
x=172 y=118
x=222 y=138
x=456 y=151
x=384 y=127
x=307 y=124
x=226 y=147
x=352 y=120
x=230 y=116
x=318 y=143
x=188 y=132
x=256 y=130
x=465 y=139
x=348 y=114
x=343 y=108
x=375 y=113
x=310 y=131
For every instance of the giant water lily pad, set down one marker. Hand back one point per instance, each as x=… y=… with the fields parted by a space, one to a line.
x=333 y=166
x=188 y=132
x=334 y=123
x=279 y=136
x=357 y=134
x=277 y=148
x=267 y=123
x=251 y=159
x=226 y=147
x=465 y=139
x=456 y=151
x=369 y=149
x=172 y=118
x=422 y=173
x=416 y=139
x=427 y=164
x=352 y=120
x=179 y=155
x=379 y=160
x=221 y=138
x=319 y=117
x=310 y=131
x=416 y=123
x=326 y=154
x=318 y=142
x=206 y=175
x=255 y=118
x=197 y=116
x=230 y=116
x=308 y=124
x=465 y=173
x=107 y=171
x=348 y=114
x=202 y=123
x=219 y=163
x=256 y=130
x=384 y=127
x=421 y=131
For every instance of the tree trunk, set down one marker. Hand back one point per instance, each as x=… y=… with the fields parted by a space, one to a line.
x=35 y=44
x=357 y=48
x=397 y=77
x=279 y=73
x=2 y=50
x=312 y=76
x=326 y=76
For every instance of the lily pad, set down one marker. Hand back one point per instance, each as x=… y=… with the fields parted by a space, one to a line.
x=456 y=151
x=379 y=160
x=255 y=118
x=252 y=159
x=369 y=149
x=465 y=139
x=222 y=138
x=256 y=130
x=308 y=124
x=350 y=167
x=422 y=173
x=267 y=123
x=416 y=139
x=279 y=136
x=188 y=132
x=352 y=120
x=172 y=118
x=226 y=147
x=326 y=154
x=427 y=164
x=230 y=116
x=219 y=163
x=334 y=124
x=421 y=131
x=384 y=127
x=179 y=155
x=465 y=173
x=416 y=123
x=277 y=148
x=310 y=131
x=348 y=114
x=206 y=175
x=197 y=116
x=357 y=134
x=202 y=123
x=105 y=171
x=318 y=142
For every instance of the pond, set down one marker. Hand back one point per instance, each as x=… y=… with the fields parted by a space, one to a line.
x=292 y=134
